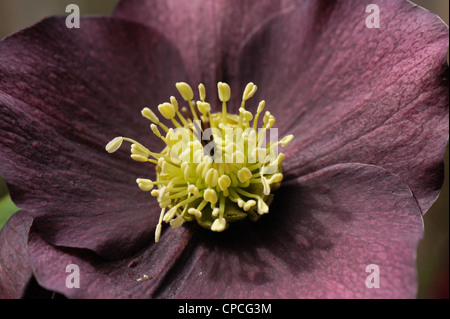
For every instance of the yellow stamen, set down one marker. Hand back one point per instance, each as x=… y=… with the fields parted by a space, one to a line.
x=214 y=165
x=261 y=106
x=202 y=92
x=185 y=91
x=148 y=114
x=114 y=145
x=145 y=184
x=174 y=102
x=219 y=225
x=244 y=174
x=249 y=91
x=224 y=96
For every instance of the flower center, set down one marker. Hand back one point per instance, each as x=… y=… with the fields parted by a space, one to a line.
x=216 y=168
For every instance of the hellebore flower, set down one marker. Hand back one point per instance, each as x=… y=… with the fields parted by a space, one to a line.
x=368 y=108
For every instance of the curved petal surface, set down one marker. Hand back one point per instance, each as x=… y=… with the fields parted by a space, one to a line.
x=15 y=268
x=207 y=33
x=137 y=276
x=350 y=93
x=64 y=93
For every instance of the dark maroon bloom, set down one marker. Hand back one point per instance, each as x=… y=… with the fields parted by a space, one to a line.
x=368 y=108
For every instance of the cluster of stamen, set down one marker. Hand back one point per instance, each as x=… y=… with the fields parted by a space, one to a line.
x=216 y=168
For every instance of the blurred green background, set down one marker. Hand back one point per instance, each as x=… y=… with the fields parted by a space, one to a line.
x=433 y=251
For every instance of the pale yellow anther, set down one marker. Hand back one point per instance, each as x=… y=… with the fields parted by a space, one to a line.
x=185 y=156
x=148 y=114
x=140 y=150
x=195 y=212
x=162 y=193
x=248 y=205
x=266 y=186
x=249 y=91
x=171 y=137
x=224 y=92
x=244 y=174
x=155 y=192
x=206 y=168
x=199 y=168
x=224 y=182
x=193 y=190
x=270 y=122
x=139 y=158
x=158 y=232
x=167 y=110
x=248 y=116
x=210 y=195
x=170 y=214
x=212 y=177
x=266 y=117
x=280 y=158
x=186 y=171
x=177 y=222
x=276 y=178
x=185 y=91
x=203 y=107
x=114 y=144
x=198 y=156
x=174 y=102
x=215 y=178
x=262 y=207
x=261 y=106
x=145 y=184
x=215 y=212
x=202 y=92
x=220 y=224
x=286 y=140
x=155 y=130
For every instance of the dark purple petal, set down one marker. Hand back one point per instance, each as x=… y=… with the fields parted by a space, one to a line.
x=135 y=277
x=322 y=232
x=64 y=93
x=15 y=268
x=207 y=33
x=353 y=94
